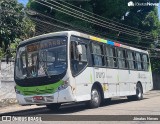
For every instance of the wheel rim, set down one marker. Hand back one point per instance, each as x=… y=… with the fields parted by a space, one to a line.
x=95 y=96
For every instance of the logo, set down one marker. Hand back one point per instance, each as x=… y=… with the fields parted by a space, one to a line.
x=130 y=3
x=37 y=90
x=6 y=118
x=20 y=118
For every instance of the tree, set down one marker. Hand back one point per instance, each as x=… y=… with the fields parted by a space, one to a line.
x=13 y=22
x=152 y=23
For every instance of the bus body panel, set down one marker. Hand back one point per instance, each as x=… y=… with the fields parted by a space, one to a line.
x=113 y=83
x=84 y=83
x=124 y=84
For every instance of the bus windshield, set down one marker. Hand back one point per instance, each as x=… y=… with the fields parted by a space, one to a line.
x=44 y=58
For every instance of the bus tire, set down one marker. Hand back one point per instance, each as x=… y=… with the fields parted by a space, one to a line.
x=139 y=93
x=95 y=98
x=53 y=106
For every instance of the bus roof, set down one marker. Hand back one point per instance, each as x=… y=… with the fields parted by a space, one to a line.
x=75 y=33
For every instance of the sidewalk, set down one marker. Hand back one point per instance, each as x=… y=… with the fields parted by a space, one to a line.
x=8 y=102
x=7 y=90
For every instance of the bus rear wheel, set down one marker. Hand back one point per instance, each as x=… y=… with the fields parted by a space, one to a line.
x=139 y=93
x=54 y=106
x=95 y=98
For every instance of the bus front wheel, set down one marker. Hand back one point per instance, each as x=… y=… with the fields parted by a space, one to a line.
x=95 y=98
x=54 y=106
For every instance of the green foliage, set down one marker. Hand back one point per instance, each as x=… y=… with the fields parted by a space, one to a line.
x=14 y=23
x=11 y=17
x=13 y=47
x=28 y=28
x=111 y=9
x=151 y=22
x=1 y=53
x=76 y=22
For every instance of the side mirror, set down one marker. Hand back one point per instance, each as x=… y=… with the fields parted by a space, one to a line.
x=79 y=49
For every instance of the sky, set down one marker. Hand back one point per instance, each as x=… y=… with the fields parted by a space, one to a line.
x=25 y=2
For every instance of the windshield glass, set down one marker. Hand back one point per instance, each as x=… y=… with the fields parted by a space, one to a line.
x=44 y=58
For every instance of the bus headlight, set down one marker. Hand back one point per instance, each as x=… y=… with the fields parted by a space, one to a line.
x=16 y=90
x=64 y=86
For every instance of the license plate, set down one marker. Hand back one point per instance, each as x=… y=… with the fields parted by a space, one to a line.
x=38 y=98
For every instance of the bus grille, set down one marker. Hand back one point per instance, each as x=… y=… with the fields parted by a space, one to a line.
x=48 y=91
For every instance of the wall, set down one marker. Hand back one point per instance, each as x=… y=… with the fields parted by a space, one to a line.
x=156 y=81
x=7 y=81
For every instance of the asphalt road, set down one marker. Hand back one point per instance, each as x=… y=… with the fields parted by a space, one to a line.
x=150 y=105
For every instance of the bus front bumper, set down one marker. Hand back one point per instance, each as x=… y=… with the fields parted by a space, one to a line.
x=61 y=96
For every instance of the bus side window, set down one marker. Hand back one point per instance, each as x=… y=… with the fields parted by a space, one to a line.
x=122 y=58
x=111 y=60
x=134 y=60
x=138 y=61
x=125 y=59
x=131 y=61
x=145 y=62
x=78 y=61
x=142 y=64
x=97 y=54
x=114 y=57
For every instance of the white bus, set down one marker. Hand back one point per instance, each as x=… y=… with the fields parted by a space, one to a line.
x=70 y=66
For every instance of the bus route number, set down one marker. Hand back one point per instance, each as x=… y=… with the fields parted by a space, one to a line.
x=100 y=75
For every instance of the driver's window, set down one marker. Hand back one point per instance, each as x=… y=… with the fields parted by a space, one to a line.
x=78 y=60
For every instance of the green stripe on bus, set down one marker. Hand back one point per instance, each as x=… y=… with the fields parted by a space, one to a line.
x=38 y=90
x=150 y=70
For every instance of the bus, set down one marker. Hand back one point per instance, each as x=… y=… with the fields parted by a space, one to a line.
x=69 y=66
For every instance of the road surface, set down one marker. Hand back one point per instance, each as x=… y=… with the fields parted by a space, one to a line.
x=150 y=105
